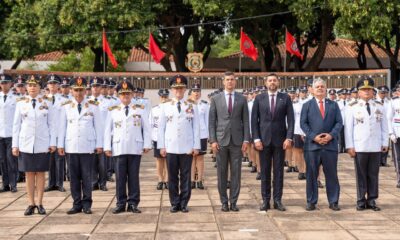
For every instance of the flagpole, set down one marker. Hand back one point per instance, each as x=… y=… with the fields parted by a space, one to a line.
x=104 y=53
x=285 y=56
x=240 y=52
x=149 y=52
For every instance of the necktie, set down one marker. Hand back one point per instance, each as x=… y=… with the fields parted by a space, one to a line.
x=321 y=108
x=5 y=98
x=33 y=103
x=382 y=101
x=272 y=105
x=95 y=99
x=179 y=107
x=126 y=110
x=79 y=107
x=54 y=99
x=344 y=102
x=368 y=109
x=230 y=104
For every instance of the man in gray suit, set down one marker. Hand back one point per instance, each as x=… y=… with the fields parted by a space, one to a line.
x=229 y=138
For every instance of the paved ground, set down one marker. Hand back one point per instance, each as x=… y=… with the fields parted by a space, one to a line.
x=205 y=220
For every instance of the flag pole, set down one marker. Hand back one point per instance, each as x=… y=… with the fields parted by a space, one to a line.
x=104 y=53
x=285 y=56
x=149 y=52
x=240 y=52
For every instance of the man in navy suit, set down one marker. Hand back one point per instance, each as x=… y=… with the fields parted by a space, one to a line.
x=321 y=121
x=270 y=114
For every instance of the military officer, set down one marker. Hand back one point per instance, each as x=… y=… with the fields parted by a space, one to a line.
x=128 y=130
x=65 y=88
x=394 y=130
x=353 y=94
x=57 y=163
x=81 y=136
x=332 y=94
x=34 y=136
x=298 y=138
x=383 y=98
x=179 y=140
x=161 y=162
x=203 y=108
x=20 y=86
x=366 y=132
x=99 y=89
x=8 y=163
x=342 y=106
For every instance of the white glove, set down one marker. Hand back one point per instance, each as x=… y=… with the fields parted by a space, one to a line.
x=393 y=138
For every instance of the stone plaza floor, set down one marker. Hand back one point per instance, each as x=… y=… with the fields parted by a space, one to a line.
x=205 y=219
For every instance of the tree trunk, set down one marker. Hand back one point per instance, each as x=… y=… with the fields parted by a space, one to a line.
x=166 y=63
x=268 y=57
x=98 y=64
x=374 y=56
x=361 y=58
x=16 y=63
x=327 y=28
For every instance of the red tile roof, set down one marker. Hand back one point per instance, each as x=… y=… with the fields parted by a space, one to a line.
x=51 y=56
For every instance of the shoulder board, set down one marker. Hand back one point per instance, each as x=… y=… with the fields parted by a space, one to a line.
x=66 y=102
x=93 y=102
x=353 y=103
x=114 y=107
x=378 y=102
x=21 y=99
x=155 y=106
x=139 y=106
x=204 y=101
x=393 y=98
x=114 y=98
x=191 y=101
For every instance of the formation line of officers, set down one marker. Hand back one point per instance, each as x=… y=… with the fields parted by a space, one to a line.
x=85 y=131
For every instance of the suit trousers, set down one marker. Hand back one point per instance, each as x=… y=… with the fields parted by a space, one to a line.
x=81 y=168
x=367 y=176
x=231 y=156
x=179 y=174
x=272 y=157
x=57 y=170
x=127 y=172
x=329 y=160
x=396 y=158
x=8 y=163
x=99 y=177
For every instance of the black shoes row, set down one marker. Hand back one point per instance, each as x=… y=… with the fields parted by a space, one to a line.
x=198 y=185
x=78 y=210
x=31 y=210
x=162 y=185
x=176 y=208
x=131 y=208
x=277 y=205
x=226 y=208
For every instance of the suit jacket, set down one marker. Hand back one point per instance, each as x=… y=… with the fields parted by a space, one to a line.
x=312 y=124
x=272 y=130
x=224 y=126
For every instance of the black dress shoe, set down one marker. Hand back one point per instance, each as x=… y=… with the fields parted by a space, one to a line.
x=5 y=189
x=30 y=210
x=374 y=208
x=253 y=169
x=302 y=176
x=174 y=209
x=166 y=185
x=200 y=185
x=279 y=206
x=103 y=188
x=96 y=187
x=213 y=159
x=160 y=185
x=110 y=179
x=361 y=207
x=184 y=209
x=14 y=189
x=258 y=177
x=118 y=209
x=61 y=189
x=193 y=185
x=87 y=211
x=50 y=188
x=228 y=184
x=320 y=185
x=289 y=169
x=234 y=208
x=334 y=207
x=74 y=211
x=225 y=207
x=310 y=207
x=295 y=169
x=133 y=209
x=41 y=210
x=265 y=206
x=250 y=164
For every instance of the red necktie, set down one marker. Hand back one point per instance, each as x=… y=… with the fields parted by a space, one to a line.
x=321 y=108
x=230 y=104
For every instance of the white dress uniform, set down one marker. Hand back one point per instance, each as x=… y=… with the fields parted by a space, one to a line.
x=7 y=110
x=342 y=106
x=154 y=119
x=179 y=133
x=204 y=110
x=297 y=106
x=394 y=132
x=145 y=102
x=250 y=107
x=128 y=134
x=103 y=105
x=80 y=132
x=386 y=106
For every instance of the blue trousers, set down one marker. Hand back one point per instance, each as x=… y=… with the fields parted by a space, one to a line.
x=127 y=172
x=179 y=171
x=80 y=166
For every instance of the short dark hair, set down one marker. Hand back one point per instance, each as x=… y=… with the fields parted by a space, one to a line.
x=228 y=73
x=272 y=75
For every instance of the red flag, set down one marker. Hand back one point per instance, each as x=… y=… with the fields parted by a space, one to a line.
x=107 y=49
x=155 y=51
x=291 y=45
x=247 y=46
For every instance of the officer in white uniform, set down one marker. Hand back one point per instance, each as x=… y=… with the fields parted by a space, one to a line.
x=342 y=102
x=126 y=137
x=179 y=140
x=154 y=118
x=298 y=139
x=394 y=130
x=81 y=136
x=366 y=133
x=8 y=163
x=382 y=97
x=99 y=178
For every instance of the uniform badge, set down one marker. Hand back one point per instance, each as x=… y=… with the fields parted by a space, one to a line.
x=117 y=124
x=88 y=114
x=359 y=118
x=137 y=119
x=169 y=118
x=378 y=115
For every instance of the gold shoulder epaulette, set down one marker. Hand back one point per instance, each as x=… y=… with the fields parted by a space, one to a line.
x=93 y=102
x=191 y=101
x=139 y=106
x=378 y=102
x=21 y=99
x=66 y=102
x=114 y=107
x=353 y=103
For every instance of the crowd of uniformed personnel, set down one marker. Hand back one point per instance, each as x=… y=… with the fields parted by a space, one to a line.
x=84 y=131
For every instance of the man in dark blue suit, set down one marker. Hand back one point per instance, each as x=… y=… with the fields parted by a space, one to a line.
x=321 y=121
